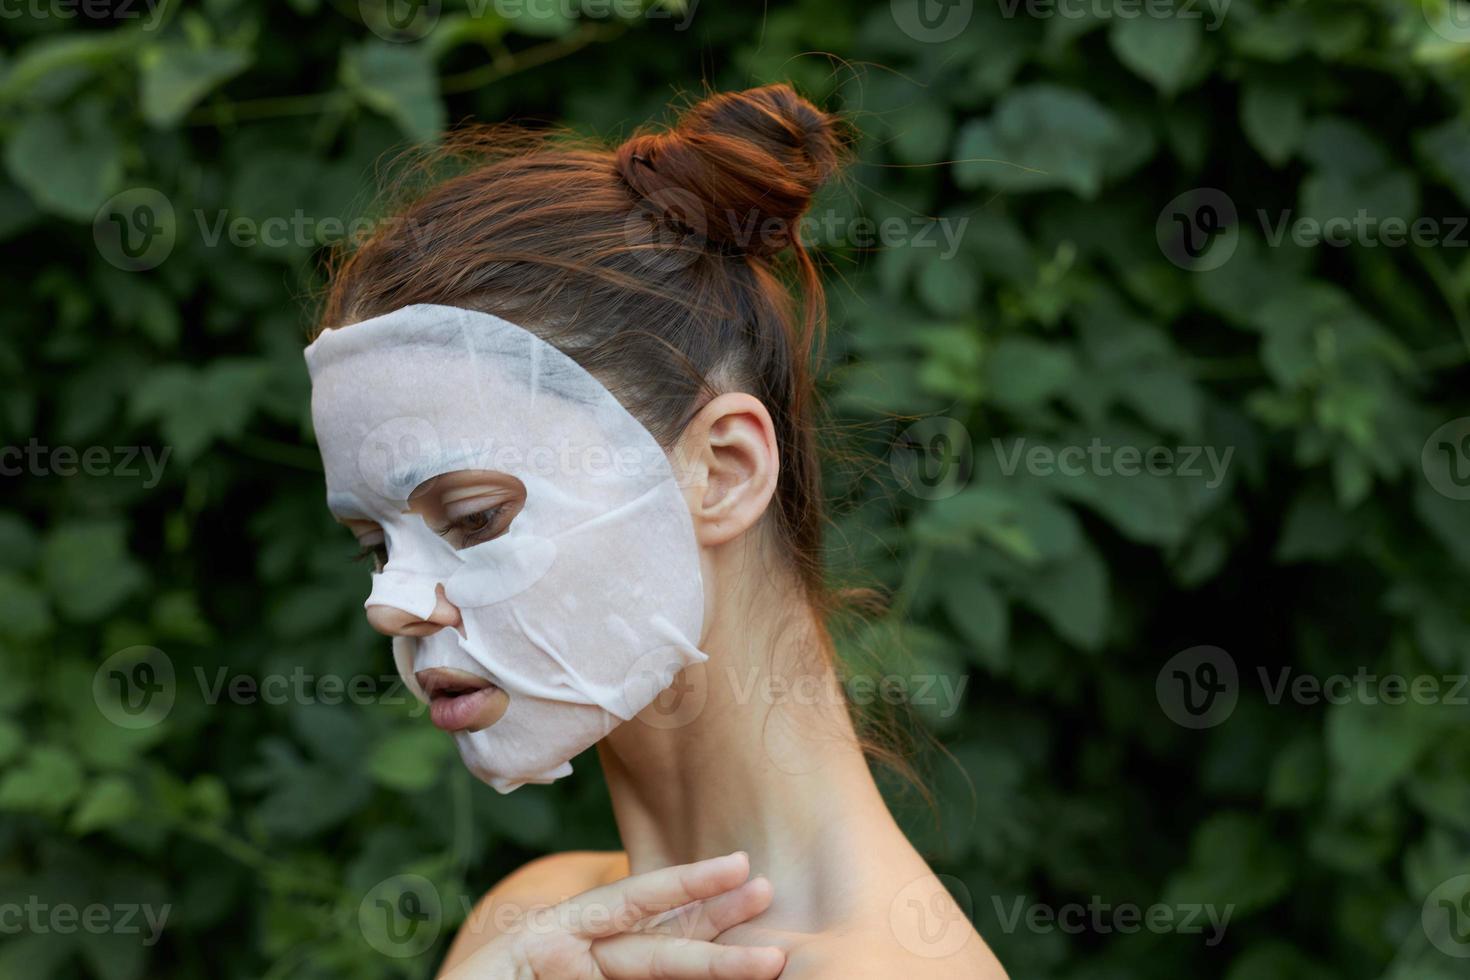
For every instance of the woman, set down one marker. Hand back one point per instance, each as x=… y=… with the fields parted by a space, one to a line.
x=551 y=307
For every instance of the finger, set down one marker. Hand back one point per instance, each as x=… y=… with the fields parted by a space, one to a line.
x=709 y=918
x=637 y=956
x=618 y=907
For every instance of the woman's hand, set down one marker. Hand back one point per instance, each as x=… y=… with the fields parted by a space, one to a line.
x=621 y=931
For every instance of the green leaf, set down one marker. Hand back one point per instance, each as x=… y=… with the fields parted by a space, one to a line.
x=1446 y=148
x=922 y=132
x=1371 y=747
x=948 y=285
x=411 y=759
x=24 y=612
x=1448 y=519
x=1276 y=960
x=1072 y=595
x=86 y=568
x=1272 y=117
x=1314 y=530
x=1234 y=860
x=70 y=162
x=1344 y=147
x=1164 y=50
x=12 y=740
x=52 y=67
x=107 y=803
x=981 y=616
x=1041 y=136
x=194 y=407
x=399 y=81
x=45 y=782
x=1022 y=372
x=176 y=75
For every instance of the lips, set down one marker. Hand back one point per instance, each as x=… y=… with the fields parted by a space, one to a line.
x=460 y=701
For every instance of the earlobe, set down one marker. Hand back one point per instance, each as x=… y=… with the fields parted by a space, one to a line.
x=732 y=463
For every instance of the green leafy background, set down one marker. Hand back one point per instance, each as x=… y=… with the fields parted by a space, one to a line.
x=264 y=822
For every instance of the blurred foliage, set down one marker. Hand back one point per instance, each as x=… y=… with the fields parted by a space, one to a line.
x=1054 y=137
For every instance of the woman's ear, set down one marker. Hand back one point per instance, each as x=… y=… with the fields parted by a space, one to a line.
x=730 y=463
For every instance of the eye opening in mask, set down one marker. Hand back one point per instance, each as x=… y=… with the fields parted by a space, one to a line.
x=465 y=507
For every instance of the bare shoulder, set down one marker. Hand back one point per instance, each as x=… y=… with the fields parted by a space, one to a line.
x=544 y=881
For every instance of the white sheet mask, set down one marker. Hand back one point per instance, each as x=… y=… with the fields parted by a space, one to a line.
x=590 y=603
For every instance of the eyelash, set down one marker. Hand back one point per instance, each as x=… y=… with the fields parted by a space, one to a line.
x=485 y=518
x=378 y=553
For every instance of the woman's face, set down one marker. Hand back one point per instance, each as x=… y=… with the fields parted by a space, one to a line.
x=496 y=484
x=466 y=508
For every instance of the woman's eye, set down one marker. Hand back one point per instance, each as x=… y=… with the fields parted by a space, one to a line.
x=476 y=527
x=376 y=553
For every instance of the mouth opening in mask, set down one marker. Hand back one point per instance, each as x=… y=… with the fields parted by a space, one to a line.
x=460 y=701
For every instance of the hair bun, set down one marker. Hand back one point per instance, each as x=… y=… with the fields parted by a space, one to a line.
x=739 y=168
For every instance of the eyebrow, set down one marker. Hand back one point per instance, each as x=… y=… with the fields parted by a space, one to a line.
x=343 y=505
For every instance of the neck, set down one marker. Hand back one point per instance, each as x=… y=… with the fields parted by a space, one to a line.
x=752 y=751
